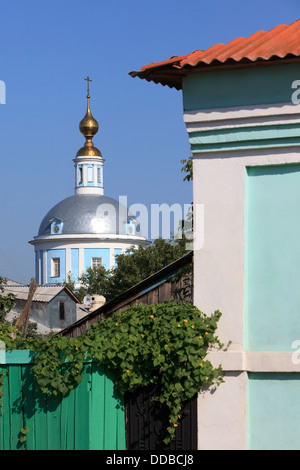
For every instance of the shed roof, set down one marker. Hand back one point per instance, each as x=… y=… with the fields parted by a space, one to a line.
x=280 y=43
x=42 y=294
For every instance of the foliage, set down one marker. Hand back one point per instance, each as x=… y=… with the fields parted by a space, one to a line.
x=187 y=168
x=23 y=435
x=165 y=343
x=14 y=338
x=138 y=264
x=94 y=281
x=6 y=302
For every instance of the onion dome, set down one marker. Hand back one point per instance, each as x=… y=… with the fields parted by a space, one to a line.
x=88 y=126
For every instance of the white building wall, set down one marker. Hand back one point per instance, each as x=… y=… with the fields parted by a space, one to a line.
x=219 y=185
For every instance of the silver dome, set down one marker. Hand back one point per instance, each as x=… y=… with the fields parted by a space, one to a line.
x=83 y=213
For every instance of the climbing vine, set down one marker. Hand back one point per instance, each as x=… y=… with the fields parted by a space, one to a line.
x=165 y=343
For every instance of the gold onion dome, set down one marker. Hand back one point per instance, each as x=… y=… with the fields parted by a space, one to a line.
x=88 y=126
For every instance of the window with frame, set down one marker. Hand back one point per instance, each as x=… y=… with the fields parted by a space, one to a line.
x=90 y=174
x=96 y=262
x=55 y=267
x=80 y=175
x=62 y=310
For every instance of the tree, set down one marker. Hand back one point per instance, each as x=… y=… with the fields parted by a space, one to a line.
x=132 y=267
x=95 y=281
x=138 y=264
x=187 y=168
x=6 y=302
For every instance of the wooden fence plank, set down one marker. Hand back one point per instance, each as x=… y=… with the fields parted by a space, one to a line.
x=15 y=403
x=68 y=422
x=40 y=419
x=4 y=413
x=97 y=408
x=53 y=423
x=82 y=411
x=29 y=405
x=113 y=420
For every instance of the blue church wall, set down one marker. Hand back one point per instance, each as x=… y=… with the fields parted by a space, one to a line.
x=75 y=263
x=90 y=253
x=37 y=271
x=61 y=254
x=41 y=267
x=118 y=251
x=99 y=169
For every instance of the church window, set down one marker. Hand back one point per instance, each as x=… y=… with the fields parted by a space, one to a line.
x=62 y=310
x=80 y=175
x=99 y=175
x=90 y=174
x=55 y=267
x=96 y=263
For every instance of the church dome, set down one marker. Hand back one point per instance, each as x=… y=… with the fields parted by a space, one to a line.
x=87 y=214
x=86 y=230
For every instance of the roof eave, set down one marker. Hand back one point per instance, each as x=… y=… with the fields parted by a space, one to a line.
x=171 y=75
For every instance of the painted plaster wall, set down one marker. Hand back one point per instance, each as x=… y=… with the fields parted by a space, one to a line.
x=272 y=259
x=273 y=404
x=220 y=185
x=53 y=311
x=103 y=253
x=239 y=87
x=61 y=254
x=75 y=263
x=76 y=257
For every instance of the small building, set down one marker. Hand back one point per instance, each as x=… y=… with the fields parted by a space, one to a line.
x=53 y=307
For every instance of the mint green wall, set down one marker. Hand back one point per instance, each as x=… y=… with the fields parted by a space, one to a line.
x=272 y=257
x=245 y=86
x=283 y=135
x=273 y=411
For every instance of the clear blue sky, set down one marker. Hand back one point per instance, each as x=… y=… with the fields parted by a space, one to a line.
x=48 y=47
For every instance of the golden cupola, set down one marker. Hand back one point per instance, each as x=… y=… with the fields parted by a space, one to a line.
x=88 y=126
x=88 y=160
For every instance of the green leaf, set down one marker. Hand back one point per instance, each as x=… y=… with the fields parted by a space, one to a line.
x=24 y=430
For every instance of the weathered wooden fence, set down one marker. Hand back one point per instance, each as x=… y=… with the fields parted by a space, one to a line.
x=147 y=422
x=91 y=417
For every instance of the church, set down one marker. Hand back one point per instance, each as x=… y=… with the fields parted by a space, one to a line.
x=87 y=229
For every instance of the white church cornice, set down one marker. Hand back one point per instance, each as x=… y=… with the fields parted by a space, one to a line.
x=64 y=238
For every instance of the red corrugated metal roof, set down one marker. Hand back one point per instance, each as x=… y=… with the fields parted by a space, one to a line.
x=280 y=42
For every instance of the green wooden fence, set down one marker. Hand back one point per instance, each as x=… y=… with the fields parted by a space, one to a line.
x=91 y=417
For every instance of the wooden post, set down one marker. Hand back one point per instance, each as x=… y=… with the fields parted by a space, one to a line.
x=23 y=320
